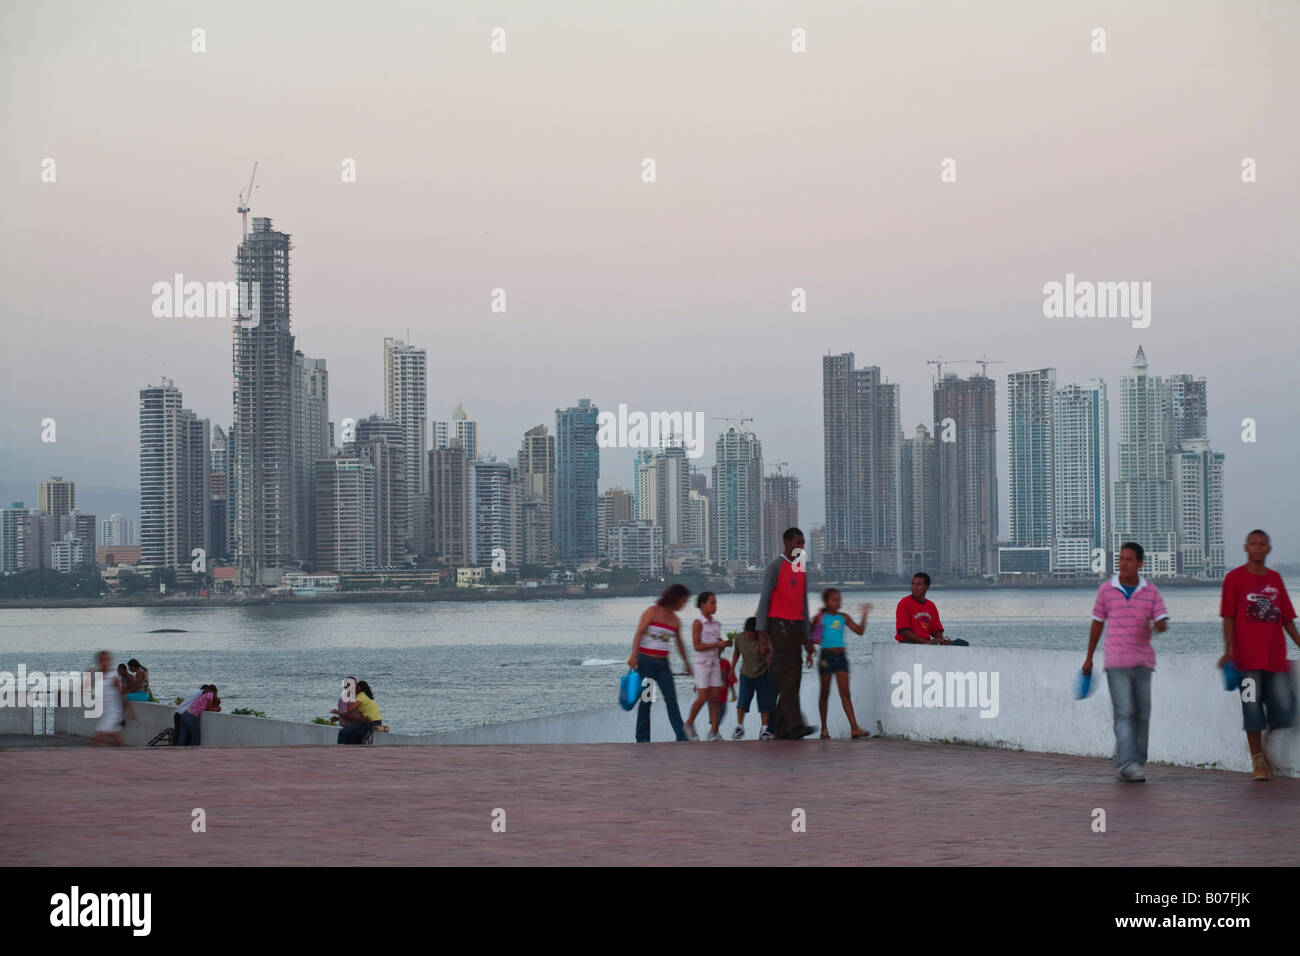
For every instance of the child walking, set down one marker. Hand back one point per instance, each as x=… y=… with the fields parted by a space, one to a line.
x=755 y=678
x=706 y=635
x=834 y=658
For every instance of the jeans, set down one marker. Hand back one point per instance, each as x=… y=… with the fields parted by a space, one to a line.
x=355 y=733
x=176 y=730
x=787 y=671
x=1130 y=696
x=657 y=670
x=189 y=730
x=762 y=685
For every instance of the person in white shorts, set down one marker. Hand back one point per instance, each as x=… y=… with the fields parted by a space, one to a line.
x=706 y=635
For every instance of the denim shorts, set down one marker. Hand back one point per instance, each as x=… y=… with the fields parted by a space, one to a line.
x=832 y=661
x=762 y=685
x=1273 y=706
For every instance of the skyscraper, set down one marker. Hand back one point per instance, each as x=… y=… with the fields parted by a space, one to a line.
x=576 y=476
x=14 y=531
x=1144 y=496
x=345 y=514
x=780 y=509
x=262 y=437
x=614 y=509
x=219 y=494
x=1029 y=440
x=460 y=427
x=535 y=500
x=406 y=401
x=738 y=498
x=1082 y=488
x=117 y=530
x=965 y=422
x=861 y=437
x=56 y=497
x=919 y=487
x=1198 y=496
x=382 y=442
x=174 y=480
x=492 y=488
x=1185 y=409
x=449 y=504
x=310 y=442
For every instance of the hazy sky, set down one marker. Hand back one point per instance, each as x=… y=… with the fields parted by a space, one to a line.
x=775 y=170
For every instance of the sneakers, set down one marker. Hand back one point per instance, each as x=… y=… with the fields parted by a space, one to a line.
x=691 y=734
x=766 y=734
x=1131 y=773
x=738 y=733
x=1258 y=767
x=714 y=735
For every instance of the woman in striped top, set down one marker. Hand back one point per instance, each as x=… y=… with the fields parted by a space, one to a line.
x=658 y=628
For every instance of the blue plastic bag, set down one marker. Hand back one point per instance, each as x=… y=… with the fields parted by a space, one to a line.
x=1082 y=684
x=1231 y=676
x=629 y=689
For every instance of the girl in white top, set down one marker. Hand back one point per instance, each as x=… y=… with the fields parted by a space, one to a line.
x=108 y=732
x=706 y=635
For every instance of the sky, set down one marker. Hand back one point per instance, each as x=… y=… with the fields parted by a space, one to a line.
x=774 y=170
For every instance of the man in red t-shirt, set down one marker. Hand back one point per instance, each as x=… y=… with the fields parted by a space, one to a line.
x=1255 y=609
x=918 y=619
x=782 y=621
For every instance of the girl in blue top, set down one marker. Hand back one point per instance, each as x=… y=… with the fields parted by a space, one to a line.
x=834 y=658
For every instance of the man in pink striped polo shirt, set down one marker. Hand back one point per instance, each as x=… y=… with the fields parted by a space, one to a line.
x=1128 y=607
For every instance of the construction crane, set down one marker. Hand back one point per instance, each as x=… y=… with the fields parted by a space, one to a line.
x=741 y=420
x=985 y=362
x=938 y=363
x=246 y=200
x=779 y=465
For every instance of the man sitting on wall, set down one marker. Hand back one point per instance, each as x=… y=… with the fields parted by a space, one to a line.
x=917 y=619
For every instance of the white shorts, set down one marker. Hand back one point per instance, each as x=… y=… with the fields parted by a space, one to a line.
x=708 y=671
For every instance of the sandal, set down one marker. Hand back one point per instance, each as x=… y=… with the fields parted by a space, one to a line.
x=861 y=735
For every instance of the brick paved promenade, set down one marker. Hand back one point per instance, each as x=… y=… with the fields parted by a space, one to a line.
x=886 y=802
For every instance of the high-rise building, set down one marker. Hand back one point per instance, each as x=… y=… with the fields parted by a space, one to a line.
x=919 y=493
x=449 y=504
x=535 y=499
x=262 y=440
x=14 y=545
x=382 y=442
x=406 y=401
x=577 y=474
x=79 y=527
x=700 y=511
x=738 y=498
x=613 y=509
x=1198 y=495
x=1185 y=409
x=492 y=488
x=174 y=480
x=644 y=501
x=965 y=422
x=1029 y=440
x=42 y=531
x=345 y=514
x=310 y=441
x=219 y=481
x=117 y=530
x=663 y=491
x=1082 y=488
x=56 y=497
x=460 y=427
x=1144 y=494
x=780 y=509
x=638 y=545
x=861 y=435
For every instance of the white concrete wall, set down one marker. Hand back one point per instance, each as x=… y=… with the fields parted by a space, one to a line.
x=1194 y=721
x=17 y=720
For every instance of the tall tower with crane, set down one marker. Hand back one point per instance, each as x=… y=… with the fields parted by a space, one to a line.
x=246 y=200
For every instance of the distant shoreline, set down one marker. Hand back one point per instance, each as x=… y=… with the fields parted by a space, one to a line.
x=502 y=594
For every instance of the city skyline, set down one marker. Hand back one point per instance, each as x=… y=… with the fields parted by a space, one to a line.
x=627 y=297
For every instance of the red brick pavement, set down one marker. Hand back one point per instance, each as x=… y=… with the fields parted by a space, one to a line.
x=886 y=802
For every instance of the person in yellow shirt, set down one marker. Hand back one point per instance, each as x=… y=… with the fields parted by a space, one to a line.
x=361 y=718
